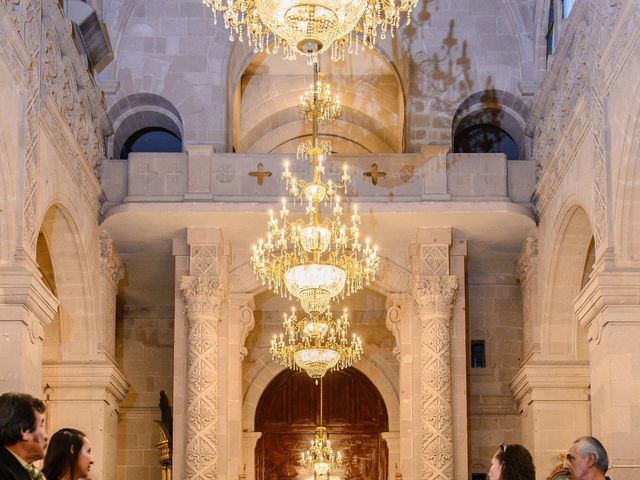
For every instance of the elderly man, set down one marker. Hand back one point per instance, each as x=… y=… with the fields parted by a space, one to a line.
x=587 y=460
x=23 y=439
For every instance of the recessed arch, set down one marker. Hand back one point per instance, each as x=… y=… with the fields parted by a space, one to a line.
x=265 y=93
x=563 y=336
x=494 y=109
x=142 y=111
x=66 y=265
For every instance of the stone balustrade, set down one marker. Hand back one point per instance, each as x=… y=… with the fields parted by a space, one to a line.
x=202 y=175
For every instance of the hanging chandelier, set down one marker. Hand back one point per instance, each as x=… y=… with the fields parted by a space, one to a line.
x=315 y=260
x=316 y=345
x=310 y=27
x=320 y=457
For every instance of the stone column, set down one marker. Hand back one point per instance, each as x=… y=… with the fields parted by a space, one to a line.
x=609 y=306
x=111 y=272
x=526 y=273
x=26 y=306
x=249 y=441
x=204 y=292
x=435 y=296
x=203 y=296
x=241 y=322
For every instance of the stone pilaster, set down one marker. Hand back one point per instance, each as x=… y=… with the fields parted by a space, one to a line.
x=398 y=321
x=26 y=307
x=111 y=272
x=526 y=273
x=88 y=397
x=241 y=322
x=609 y=307
x=203 y=296
x=435 y=296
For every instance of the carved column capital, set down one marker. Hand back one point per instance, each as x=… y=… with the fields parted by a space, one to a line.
x=202 y=294
x=435 y=295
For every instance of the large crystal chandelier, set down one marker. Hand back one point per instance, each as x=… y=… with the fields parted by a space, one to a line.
x=316 y=345
x=320 y=458
x=310 y=27
x=315 y=260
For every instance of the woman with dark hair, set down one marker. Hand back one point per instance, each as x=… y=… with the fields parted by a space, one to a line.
x=68 y=456
x=512 y=462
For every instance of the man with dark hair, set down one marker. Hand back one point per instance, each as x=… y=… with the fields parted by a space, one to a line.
x=587 y=460
x=23 y=439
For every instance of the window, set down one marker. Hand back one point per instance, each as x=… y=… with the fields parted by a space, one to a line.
x=550 y=26
x=485 y=138
x=567 y=5
x=478 y=356
x=151 y=139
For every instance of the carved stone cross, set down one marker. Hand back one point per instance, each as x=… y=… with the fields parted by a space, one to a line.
x=375 y=173
x=260 y=173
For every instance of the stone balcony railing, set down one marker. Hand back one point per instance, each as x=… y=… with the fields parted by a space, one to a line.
x=200 y=175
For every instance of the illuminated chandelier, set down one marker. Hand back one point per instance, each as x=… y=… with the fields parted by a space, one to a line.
x=316 y=345
x=317 y=261
x=310 y=27
x=320 y=458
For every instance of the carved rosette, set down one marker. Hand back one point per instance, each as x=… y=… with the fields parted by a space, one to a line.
x=203 y=296
x=435 y=297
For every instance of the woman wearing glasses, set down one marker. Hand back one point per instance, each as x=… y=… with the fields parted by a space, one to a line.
x=512 y=462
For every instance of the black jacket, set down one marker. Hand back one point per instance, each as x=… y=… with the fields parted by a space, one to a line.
x=10 y=467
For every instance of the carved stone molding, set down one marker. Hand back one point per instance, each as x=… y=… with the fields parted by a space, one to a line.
x=527 y=259
x=435 y=297
x=110 y=261
x=203 y=260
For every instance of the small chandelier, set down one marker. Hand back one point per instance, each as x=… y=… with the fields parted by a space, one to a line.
x=316 y=261
x=318 y=101
x=310 y=27
x=316 y=345
x=320 y=457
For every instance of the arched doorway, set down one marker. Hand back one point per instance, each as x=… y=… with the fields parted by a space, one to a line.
x=353 y=412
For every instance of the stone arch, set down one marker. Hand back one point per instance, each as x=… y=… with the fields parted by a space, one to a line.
x=562 y=336
x=68 y=271
x=352 y=94
x=142 y=110
x=497 y=108
x=627 y=205
x=269 y=370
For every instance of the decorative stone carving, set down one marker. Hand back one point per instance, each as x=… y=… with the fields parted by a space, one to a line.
x=110 y=261
x=435 y=297
x=527 y=259
x=434 y=259
x=247 y=321
x=203 y=296
x=225 y=173
x=203 y=260
x=392 y=322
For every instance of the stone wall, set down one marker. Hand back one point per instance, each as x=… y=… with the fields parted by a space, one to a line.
x=145 y=347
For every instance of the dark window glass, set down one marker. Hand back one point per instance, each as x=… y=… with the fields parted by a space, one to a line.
x=478 y=357
x=478 y=476
x=486 y=138
x=550 y=25
x=151 y=139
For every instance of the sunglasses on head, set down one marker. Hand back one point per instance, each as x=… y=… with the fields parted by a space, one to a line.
x=503 y=447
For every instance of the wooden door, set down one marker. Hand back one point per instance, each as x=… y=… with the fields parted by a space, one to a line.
x=353 y=412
